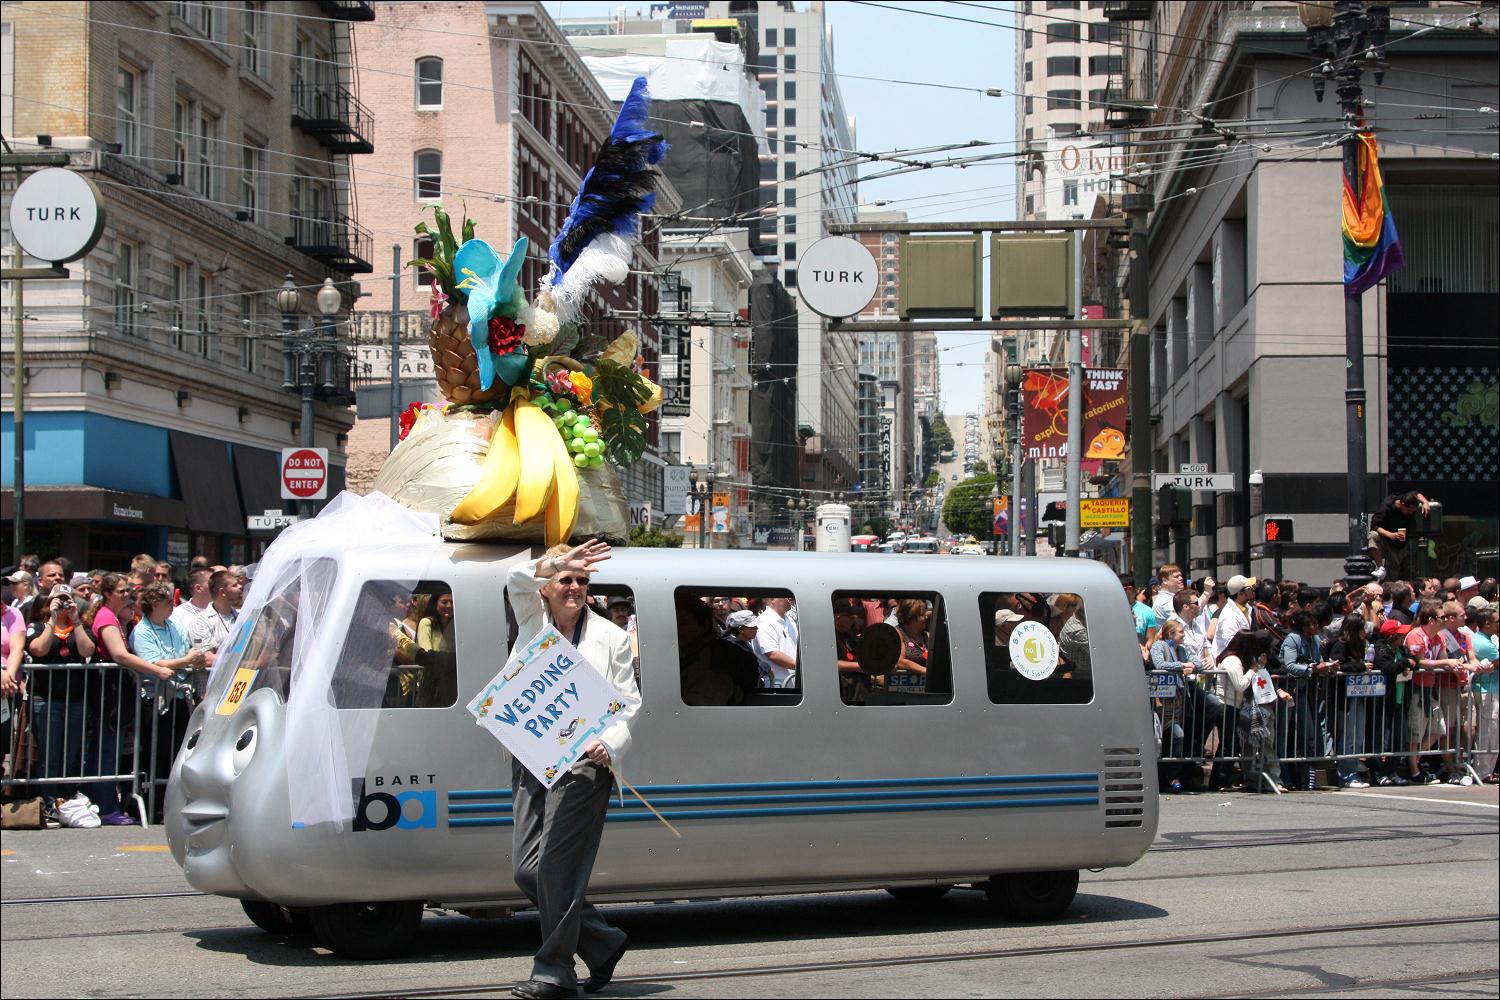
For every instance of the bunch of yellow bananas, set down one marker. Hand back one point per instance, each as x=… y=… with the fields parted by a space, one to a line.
x=528 y=463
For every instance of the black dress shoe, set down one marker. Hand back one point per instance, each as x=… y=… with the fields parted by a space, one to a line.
x=600 y=977
x=536 y=989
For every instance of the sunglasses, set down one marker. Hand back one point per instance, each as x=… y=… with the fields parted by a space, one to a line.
x=568 y=581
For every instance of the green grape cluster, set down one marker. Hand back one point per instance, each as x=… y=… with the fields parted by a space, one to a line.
x=581 y=436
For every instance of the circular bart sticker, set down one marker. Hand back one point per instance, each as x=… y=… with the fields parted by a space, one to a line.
x=1033 y=651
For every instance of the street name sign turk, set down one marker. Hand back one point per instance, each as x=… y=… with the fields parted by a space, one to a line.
x=1209 y=482
x=57 y=215
x=837 y=277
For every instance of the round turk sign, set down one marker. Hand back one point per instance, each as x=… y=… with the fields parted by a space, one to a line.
x=57 y=215
x=304 y=473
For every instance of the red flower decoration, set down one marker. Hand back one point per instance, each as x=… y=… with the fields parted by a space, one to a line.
x=439 y=300
x=408 y=418
x=505 y=335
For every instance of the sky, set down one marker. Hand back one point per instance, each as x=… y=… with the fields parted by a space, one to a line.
x=904 y=42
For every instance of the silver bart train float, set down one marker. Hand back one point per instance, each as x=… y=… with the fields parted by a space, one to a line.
x=985 y=777
x=333 y=775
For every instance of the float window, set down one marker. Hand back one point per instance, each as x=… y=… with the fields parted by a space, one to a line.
x=738 y=647
x=892 y=648
x=400 y=650
x=1036 y=649
x=617 y=603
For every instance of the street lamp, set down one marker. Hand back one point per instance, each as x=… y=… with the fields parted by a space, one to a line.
x=703 y=484
x=1349 y=35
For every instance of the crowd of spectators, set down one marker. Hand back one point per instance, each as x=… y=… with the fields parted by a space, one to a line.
x=71 y=639
x=1392 y=683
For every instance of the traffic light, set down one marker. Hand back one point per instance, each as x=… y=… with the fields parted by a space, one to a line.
x=1279 y=529
x=1174 y=505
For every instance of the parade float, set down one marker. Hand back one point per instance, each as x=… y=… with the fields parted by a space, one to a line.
x=540 y=413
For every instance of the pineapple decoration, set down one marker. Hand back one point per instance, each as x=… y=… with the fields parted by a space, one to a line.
x=559 y=403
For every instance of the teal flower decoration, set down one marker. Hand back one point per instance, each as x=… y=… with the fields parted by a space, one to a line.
x=492 y=288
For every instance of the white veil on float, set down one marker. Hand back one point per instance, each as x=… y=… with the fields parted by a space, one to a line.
x=291 y=597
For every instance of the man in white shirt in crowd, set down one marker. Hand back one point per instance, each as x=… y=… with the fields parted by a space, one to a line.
x=1236 y=614
x=209 y=630
x=776 y=641
x=1169 y=579
x=197 y=603
x=1188 y=611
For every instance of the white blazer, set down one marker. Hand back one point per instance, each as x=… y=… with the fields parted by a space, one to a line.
x=604 y=644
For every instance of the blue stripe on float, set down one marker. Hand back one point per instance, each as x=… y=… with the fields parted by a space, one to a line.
x=772 y=786
x=683 y=814
x=726 y=800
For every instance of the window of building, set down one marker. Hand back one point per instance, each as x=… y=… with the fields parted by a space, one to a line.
x=759 y=666
x=429 y=173
x=1063 y=65
x=249 y=313
x=1062 y=4
x=1029 y=135
x=789 y=118
x=1066 y=128
x=770 y=117
x=789 y=197
x=1102 y=96
x=253 y=37
x=400 y=651
x=789 y=250
x=789 y=62
x=203 y=17
x=252 y=179
x=1063 y=32
x=1104 y=31
x=789 y=170
x=1063 y=100
x=422 y=250
x=128 y=110
x=1106 y=65
x=789 y=37
x=127 y=280
x=1028 y=104
x=1028 y=72
x=430 y=82
x=205 y=310
x=1026 y=36
x=789 y=224
x=1070 y=192
x=1030 y=204
x=177 y=314
x=182 y=137
x=789 y=277
x=770 y=38
x=789 y=90
x=1038 y=650
x=205 y=153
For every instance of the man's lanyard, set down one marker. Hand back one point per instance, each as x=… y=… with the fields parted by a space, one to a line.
x=578 y=627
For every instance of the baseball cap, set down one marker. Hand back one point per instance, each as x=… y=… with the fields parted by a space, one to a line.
x=844 y=606
x=621 y=600
x=1477 y=603
x=19 y=576
x=78 y=578
x=62 y=590
x=740 y=619
x=1005 y=616
x=1468 y=583
x=1238 y=583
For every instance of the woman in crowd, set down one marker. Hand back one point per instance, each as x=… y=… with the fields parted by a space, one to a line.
x=1351 y=653
x=74 y=732
x=912 y=618
x=1485 y=687
x=1242 y=664
x=1170 y=657
x=162 y=643
x=438 y=683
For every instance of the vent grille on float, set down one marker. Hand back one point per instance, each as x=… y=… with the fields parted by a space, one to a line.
x=1124 y=787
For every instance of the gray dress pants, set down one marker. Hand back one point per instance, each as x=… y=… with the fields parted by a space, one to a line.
x=557 y=836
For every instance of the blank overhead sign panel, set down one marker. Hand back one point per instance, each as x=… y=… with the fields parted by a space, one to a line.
x=1031 y=274
x=941 y=277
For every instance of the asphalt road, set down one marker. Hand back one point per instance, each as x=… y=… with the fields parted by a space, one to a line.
x=1344 y=894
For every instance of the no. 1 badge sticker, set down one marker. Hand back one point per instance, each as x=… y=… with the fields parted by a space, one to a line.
x=1033 y=651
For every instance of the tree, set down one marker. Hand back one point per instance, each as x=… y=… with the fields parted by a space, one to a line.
x=643 y=537
x=981 y=467
x=932 y=479
x=942 y=435
x=967 y=510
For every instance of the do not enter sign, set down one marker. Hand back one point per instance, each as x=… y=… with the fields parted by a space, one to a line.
x=304 y=473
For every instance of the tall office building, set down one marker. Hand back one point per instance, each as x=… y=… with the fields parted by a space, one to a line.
x=814 y=181
x=888 y=358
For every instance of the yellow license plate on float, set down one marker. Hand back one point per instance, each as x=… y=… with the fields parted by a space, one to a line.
x=244 y=680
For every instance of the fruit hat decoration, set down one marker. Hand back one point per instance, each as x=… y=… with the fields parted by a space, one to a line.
x=570 y=401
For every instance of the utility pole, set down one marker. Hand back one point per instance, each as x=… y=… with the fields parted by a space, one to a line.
x=1013 y=377
x=1137 y=208
x=395 y=344
x=18 y=401
x=1075 y=407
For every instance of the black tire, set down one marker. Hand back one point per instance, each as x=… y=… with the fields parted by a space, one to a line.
x=1033 y=896
x=274 y=918
x=367 y=930
x=919 y=894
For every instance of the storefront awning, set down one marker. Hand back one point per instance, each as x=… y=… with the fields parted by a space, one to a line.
x=258 y=471
x=207 y=484
x=90 y=503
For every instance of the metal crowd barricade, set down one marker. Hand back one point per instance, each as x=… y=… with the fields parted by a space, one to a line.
x=76 y=727
x=1363 y=725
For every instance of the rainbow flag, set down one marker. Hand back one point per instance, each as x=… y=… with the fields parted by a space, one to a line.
x=1372 y=249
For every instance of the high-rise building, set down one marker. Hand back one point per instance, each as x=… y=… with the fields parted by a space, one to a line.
x=219 y=138
x=888 y=357
x=813 y=178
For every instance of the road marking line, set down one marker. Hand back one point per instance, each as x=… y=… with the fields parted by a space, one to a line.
x=1441 y=802
x=144 y=848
